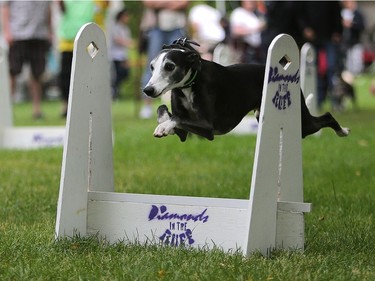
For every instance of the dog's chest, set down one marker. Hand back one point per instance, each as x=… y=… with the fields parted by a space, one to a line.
x=188 y=100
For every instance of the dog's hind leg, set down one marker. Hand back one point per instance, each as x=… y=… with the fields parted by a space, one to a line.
x=327 y=120
x=312 y=124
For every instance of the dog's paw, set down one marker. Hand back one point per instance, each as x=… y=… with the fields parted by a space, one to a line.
x=344 y=132
x=164 y=129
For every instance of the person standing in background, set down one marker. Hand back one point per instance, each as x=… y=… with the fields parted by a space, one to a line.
x=206 y=28
x=120 y=42
x=320 y=24
x=28 y=31
x=353 y=25
x=280 y=17
x=74 y=15
x=246 y=25
x=166 y=24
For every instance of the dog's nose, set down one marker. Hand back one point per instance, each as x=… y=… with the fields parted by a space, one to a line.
x=149 y=91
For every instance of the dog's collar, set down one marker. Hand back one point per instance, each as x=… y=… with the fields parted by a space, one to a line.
x=190 y=81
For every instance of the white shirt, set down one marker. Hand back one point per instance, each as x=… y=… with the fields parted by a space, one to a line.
x=207 y=21
x=247 y=19
x=29 y=19
x=118 y=52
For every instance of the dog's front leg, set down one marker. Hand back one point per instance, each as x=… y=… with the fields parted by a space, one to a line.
x=167 y=126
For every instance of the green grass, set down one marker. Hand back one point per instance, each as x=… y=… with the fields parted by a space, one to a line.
x=339 y=181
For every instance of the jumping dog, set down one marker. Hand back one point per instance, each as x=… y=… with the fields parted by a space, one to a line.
x=209 y=99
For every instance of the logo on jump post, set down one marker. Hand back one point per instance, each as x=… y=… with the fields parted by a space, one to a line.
x=178 y=228
x=282 y=99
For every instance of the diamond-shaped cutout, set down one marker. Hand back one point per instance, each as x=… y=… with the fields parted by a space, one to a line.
x=92 y=49
x=285 y=62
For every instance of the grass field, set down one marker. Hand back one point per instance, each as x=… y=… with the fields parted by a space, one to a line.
x=339 y=180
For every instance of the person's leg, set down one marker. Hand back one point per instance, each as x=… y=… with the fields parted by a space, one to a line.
x=322 y=75
x=64 y=79
x=12 y=85
x=356 y=56
x=333 y=71
x=121 y=73
x=37 y=54
x=332 y=63
x=16 y=59
x=115 y=80
x=35 y=87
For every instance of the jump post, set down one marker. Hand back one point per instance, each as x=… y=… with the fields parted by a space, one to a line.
x=271 y=218
x=249 y=124
x=309 y=82
x=22 y=137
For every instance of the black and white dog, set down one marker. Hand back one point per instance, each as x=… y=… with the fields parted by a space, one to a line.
x=209 y=99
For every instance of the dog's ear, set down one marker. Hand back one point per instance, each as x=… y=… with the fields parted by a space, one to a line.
x=195 y=59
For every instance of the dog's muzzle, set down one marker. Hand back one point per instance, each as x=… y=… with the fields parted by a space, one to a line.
x=149 y=91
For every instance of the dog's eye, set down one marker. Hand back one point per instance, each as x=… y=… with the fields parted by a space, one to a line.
x=152 y=67
x=169 y=67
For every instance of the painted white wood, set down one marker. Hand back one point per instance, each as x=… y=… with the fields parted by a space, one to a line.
x=294 y=207
x=208 y=226
x=277 y=170
x=33 y=137
x=168 y=199
x=221 y=225
x=290 y=225
x=87 y=157
x=6 y=118
x=309 y=76
x=247 y=126
x=121 y=216
x=87 y=204
x=22 y=137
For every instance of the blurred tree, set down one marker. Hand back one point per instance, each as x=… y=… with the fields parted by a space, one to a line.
x=135 y=9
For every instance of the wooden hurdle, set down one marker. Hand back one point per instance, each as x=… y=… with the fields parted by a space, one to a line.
x=22 y=137
x=309 y=83
x=273 y=216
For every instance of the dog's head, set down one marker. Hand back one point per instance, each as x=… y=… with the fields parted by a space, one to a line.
x=175 y=66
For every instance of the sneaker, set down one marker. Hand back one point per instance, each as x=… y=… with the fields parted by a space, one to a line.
x=146 y=112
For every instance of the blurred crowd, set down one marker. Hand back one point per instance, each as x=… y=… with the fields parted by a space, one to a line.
x=228 y=32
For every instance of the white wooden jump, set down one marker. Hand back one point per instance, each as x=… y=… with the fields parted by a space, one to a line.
x=309 y=83
x=249 y=124
x=271 y=218
x=22 y=137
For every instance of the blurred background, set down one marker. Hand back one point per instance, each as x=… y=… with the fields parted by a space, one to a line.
x=343 y=33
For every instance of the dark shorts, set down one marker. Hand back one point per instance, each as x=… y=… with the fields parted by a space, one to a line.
x=33 y=52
